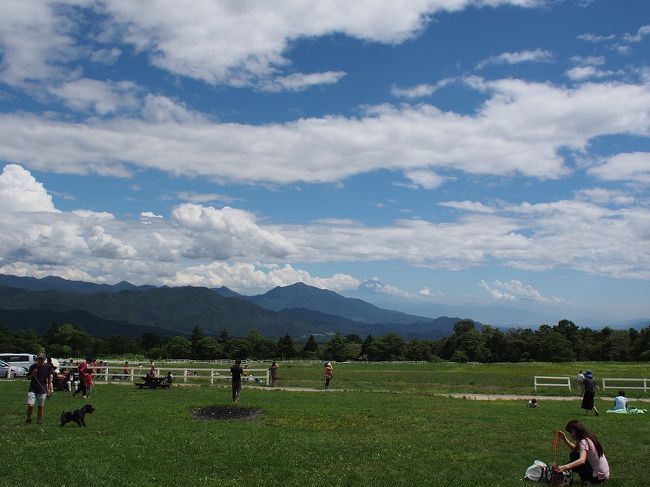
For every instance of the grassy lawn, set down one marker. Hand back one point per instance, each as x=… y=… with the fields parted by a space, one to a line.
x=435 y=378
x=335 y=438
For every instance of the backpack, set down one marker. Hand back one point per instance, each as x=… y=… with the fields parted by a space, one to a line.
x=540 y=472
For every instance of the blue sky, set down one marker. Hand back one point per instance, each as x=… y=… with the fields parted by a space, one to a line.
x=486 y=158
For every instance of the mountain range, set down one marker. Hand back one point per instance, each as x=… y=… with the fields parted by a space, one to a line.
x=128 y=310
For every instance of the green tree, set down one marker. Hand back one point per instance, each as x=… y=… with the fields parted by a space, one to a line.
x=197 y=334
x=178 y=347
x=208 y=348
x=66 y=340
x=335 y=348
x=150 y=340
x=310 y=348
x=285 y=348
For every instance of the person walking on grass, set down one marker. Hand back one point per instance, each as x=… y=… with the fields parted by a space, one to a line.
x=40 y=385
x=587 y=457
x=237 y=372
x=589 y=393
x=273 y=370
x=328 y=374
x=82 y=370
x=580 y=378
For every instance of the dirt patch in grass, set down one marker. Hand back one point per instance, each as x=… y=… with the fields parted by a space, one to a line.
x=225 y=413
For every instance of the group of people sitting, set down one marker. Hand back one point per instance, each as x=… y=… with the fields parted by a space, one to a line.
x=152 y=377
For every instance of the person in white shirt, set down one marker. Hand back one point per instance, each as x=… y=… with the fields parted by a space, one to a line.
x=620 y=401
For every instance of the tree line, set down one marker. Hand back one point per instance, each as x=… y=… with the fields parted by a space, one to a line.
x=468 y=343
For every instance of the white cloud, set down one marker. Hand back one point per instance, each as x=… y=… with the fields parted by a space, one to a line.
x=34 y=41
x=106 y=56
x=603 y=196
x=227 y=232
x=587 y=67
x=149 y=214
x=521 y=128
x=193 y=197
x=631 y=166
x=516 y=290
x=594 y=38
x=19 y=191
x=418 y=91
x=211 y=40
x=248 y=278
x=300 y=81
x=527 y=56
x=207 y=40
x=102 y=97
x=640 y=34
x=425 y=179
x=475 y=206
x=581 y=234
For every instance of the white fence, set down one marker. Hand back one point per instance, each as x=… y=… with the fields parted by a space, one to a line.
x=642 y=384
x=542 y=381
x=106 y=373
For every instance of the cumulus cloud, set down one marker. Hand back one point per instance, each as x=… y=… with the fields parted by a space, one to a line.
x=19 y=191
x=252 y=278
x=211 y=41
x=228 y=232
x=35 y=41
x=527 y=56
x=521 y=129
x=205 y=40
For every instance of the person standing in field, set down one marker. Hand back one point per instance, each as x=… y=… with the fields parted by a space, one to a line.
x=88 y=379
x=328 y=374
x=126 y=370
x=273 y=369
x=82 y=371
x=40 y=384
x=580 y=378
x=589 y=393
x=587 y=457
x=237 y=372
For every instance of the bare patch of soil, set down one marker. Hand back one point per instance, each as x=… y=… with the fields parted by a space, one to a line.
x=225 y=413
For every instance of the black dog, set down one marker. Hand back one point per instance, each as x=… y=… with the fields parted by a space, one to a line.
x=77 y=416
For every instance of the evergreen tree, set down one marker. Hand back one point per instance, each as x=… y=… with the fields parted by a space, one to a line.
x=285 y=347
x=310 y=349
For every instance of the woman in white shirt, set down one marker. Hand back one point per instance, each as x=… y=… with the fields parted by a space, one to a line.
x=620 y=401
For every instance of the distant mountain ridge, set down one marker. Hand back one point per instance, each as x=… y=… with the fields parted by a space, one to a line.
x=64 y=285
x=301 y=295
x=296 y=310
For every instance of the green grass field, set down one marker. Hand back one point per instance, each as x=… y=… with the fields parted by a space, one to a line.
x=388 y=428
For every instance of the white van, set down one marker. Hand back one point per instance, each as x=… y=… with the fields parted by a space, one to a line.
x=19 y=359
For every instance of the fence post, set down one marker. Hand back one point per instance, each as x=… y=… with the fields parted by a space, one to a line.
x=212 y=377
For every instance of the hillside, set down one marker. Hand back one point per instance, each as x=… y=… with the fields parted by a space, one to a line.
x=299 y=310
x=301 y=295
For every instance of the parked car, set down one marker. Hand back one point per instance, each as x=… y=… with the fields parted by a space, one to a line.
x=19 y=359
x=16 y=370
